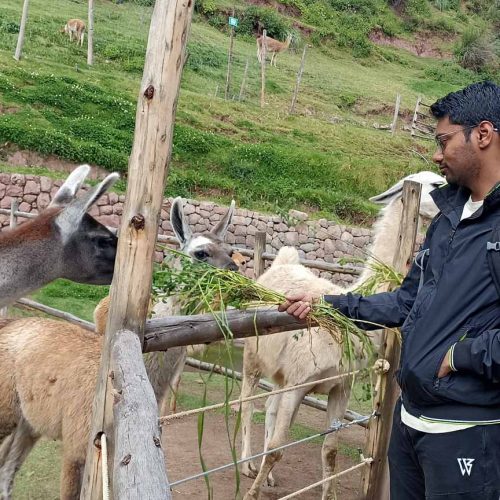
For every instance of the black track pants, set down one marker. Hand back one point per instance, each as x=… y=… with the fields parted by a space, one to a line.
x=460 y=465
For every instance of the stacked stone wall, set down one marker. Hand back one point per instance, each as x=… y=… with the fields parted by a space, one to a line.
x=321 y=239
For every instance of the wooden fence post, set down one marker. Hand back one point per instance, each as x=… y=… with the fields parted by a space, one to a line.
x=130 y=291
x=20 y=38
x=299 y=78
x=263 y=55
x=415 y=116
x=259 y=264
x=375 y=485
x=243 y=81
x=229 y=62
x=90 y=35
x=396 y=113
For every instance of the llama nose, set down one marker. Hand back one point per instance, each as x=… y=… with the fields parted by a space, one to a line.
x=232 y=266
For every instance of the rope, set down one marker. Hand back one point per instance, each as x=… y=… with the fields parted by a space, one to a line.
x=334 y=427
x=364 y=462
x=167 y=418
x=105 y=478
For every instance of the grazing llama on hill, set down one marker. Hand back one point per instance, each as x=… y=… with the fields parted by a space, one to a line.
x=75 y=28
x=62 y=242
x=48 y=371
x=273 y=47
x=291 y=359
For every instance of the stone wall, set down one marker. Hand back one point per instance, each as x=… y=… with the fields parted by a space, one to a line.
x=316 y=240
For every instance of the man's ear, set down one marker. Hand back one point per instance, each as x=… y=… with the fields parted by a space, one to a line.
x=486 y=131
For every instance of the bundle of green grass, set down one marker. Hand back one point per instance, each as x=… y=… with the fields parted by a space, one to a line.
x=202 y=288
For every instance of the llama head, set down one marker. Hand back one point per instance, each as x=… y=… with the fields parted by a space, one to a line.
x=88 y=247
x=429 y=181
x=207 y=247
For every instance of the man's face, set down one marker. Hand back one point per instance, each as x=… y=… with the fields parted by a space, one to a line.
x=455 y=155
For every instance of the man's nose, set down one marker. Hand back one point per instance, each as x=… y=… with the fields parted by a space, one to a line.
x=437 y=157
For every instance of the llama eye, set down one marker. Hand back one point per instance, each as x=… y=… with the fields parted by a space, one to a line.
x=201 y=254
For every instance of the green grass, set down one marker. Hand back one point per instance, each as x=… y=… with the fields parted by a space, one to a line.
x=326 y=159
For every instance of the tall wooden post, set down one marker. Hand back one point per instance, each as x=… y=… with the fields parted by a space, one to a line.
x=90 y=34
x=415 y=116
x=263 y=55
x=243 y=81
x=139 y=460
x=299 y=78
x=396 y=113
x=229 y=61
x=20 y=38
x=375 y=486
x=259 y=263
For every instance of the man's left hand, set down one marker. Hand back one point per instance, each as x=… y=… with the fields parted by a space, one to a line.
x=445 y=366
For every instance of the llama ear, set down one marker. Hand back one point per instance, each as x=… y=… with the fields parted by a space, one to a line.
x=220 y=229
x=69 y=219
x=179 y=223
x=387 y=196
x=72 y=184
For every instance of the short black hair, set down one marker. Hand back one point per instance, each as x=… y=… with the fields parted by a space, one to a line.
x=470 y=106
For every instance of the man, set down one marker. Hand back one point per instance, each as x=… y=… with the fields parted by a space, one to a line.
x=445 y=441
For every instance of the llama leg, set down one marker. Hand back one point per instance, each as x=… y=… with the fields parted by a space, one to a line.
x=5 y=448
x=287 y=411
x=71 y=478
x=338 y=399
x=82 y=38
x=248 y=388
x=272 y=406
x=16 y=448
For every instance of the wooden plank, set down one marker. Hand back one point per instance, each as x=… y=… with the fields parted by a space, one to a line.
x=31 y=304
x=396 y=113
x=139 y=468
x=22 y=28
x=259 y=263
x=164 y=333
x=374 y=480
x=148 y=166
x=90 y=34
x=263 y=55
x=299 y=78
x=243 y=82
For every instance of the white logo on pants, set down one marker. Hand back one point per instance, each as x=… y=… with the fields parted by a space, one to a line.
x=465 y=465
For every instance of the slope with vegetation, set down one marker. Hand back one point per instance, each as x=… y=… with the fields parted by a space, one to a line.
x=326 y=158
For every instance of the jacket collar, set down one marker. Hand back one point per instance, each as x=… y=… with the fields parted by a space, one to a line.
x=450 y=197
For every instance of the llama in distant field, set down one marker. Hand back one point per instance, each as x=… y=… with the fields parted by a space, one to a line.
x=48 y=371
x=75 y=28
x=291 y=359
x=62 y=242
x=273 y=47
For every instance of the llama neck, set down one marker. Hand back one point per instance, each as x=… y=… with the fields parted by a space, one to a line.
x=385 y=239
x=161 y=367
x=27 y=266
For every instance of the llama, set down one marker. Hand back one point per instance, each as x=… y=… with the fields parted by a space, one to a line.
x=273 y=47
x=48 y=371
x=291 y=359
x=76 y=28
x=62 y=242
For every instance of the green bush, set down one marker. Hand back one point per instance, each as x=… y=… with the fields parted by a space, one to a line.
x=474 y=50
x=202 y=56
x=276 y=26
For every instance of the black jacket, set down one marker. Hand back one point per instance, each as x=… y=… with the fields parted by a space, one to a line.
x=457 y=303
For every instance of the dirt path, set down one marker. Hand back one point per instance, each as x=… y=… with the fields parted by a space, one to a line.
x=300 y=466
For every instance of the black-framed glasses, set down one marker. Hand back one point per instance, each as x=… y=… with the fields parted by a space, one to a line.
x=441 y=145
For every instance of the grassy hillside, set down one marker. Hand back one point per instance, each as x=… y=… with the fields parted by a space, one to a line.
x=327 y=158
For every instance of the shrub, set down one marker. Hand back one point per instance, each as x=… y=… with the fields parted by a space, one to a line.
x=474 y=51
x=253 y=17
